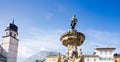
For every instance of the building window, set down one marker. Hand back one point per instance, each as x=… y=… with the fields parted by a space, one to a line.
x=105 y=52
x=87 y=59
x=10 y=33
x=110 y=52
x=101 y=52
x=7 y=33
x=15 y=35
x=94 y=59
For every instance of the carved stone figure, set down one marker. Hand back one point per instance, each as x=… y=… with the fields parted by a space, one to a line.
x=80 y=57
x=80 y=53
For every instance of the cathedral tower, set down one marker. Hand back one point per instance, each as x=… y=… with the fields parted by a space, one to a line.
x=10 y=42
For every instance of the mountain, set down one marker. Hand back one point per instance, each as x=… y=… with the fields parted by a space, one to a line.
x=39 y=56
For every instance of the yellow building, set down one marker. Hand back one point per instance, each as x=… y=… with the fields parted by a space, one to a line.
x=53 y=58
x=117 y=57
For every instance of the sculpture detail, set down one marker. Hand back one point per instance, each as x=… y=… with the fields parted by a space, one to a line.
x=73 y=22
x=71 y=40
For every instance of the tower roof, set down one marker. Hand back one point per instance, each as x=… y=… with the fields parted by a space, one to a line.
x=12 y=26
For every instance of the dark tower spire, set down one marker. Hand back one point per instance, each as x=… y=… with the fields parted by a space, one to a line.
x=12 y=26
x=13 y=21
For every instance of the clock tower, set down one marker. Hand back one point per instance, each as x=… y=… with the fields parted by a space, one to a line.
x=10 y=42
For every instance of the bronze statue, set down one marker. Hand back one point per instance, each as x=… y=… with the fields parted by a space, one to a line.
x=73 y=22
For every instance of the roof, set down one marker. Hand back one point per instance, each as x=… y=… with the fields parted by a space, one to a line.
x=53 y=56
x=12 y=26
x=107 y=48
x=90 y=55
x=116 y=55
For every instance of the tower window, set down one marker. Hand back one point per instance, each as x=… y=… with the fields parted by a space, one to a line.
x=15 y=35
x=10 y=33
x=7 y=33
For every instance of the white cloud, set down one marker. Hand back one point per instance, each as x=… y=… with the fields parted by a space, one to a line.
x=24 y=51
x=101 y=39
x=107 y=37
x=38 y=41
x=43 y=49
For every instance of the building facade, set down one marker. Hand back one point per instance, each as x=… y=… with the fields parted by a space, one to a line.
x=104 y=54
x=52 y=58
x=91 y=58
x=2 y=58
x=10 y=43
x=116 y=57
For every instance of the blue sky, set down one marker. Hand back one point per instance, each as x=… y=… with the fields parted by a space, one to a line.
x=41 y=22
